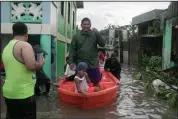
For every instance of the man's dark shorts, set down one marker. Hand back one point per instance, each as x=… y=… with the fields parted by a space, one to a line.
x=21 y=108
x=94 y=75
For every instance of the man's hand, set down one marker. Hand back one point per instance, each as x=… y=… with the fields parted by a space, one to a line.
x=41 y=61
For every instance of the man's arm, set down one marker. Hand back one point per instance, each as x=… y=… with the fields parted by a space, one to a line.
x=72 y=52
x=29 y=57
x=99 y=39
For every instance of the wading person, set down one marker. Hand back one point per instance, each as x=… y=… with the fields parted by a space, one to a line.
x=113 y=65
x=84 y=49
x=20 y=66
x=41 y=78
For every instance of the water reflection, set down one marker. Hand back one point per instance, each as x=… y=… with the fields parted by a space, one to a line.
x=133 y=102
x=67 y=111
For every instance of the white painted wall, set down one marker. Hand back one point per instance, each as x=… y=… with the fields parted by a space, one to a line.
x=111 y=34
x=53 y=18
x=125 y=35
x=32 y=28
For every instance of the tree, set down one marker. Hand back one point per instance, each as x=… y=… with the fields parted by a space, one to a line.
x=132 y=31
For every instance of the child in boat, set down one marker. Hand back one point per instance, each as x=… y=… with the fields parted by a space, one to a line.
x=69 y=74
x=82 y=81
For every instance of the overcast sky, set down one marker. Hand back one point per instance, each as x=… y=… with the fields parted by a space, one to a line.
x=117 y=13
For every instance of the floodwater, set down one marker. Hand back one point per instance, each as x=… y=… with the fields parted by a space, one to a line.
x=133 y=101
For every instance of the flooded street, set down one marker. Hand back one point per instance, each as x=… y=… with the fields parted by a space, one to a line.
x=132 y=102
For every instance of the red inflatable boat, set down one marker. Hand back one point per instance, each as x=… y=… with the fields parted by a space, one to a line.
x=109 y=87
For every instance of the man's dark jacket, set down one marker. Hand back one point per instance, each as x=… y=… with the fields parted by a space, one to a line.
x=84 y=48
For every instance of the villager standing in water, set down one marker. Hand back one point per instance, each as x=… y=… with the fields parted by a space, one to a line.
x=113 y=65
x=20 y=66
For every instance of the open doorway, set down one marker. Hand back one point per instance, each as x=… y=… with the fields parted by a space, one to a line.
x=34 y=39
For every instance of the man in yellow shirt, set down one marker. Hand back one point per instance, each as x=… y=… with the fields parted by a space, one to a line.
x=20 y=66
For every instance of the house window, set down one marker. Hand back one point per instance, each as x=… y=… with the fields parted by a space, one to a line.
x=73 y=20
x=68 y=12
x=62 y=8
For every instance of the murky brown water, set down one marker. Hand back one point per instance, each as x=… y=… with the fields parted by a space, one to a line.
x=132 y=102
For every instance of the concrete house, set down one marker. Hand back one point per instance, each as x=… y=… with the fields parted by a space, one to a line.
x=150 y=36
x=169 y=25
x=162 y=37
x=50 y=24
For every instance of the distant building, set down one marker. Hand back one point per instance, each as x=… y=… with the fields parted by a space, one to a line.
x=169 y=25
x=149 y=32
x=157 y=30
x=117 y=42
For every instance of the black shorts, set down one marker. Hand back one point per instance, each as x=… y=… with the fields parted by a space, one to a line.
x=71 y=78
x=21 y=108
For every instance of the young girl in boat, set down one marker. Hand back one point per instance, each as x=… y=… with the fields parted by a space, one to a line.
x=69 y=74
x=82 y=81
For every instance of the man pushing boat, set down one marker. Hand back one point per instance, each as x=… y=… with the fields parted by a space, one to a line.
x=84 y=49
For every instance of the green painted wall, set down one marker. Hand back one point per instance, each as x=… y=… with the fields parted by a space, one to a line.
x=61 y=25
x=45 y=43
x=68 y=47
x=62 y=46
x=73 y=32
x=167 y=40
x=60 y=57
x=69 y=31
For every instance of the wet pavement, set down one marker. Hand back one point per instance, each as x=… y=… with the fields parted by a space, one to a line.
x=133 y=101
